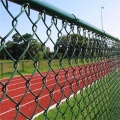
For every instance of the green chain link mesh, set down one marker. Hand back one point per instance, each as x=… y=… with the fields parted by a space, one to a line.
x=84 y=84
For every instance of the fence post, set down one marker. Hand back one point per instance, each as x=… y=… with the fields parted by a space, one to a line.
x=39 y=64
x=1 y=68
x=22 y=65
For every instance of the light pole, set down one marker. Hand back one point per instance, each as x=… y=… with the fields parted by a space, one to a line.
x=102 y=18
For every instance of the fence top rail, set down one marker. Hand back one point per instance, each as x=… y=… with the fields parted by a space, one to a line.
x=52 y=10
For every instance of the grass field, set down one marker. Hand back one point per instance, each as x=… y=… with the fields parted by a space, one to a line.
x=98 y=102
x=27 y=66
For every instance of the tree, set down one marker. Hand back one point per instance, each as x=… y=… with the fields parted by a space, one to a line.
x=76 y=45
x=19 y=44
x=71 y=46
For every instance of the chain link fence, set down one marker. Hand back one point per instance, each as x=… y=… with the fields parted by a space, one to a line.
x=78 y=80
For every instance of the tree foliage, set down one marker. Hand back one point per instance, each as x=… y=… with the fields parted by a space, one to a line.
x=19 y=44
x=76 y=45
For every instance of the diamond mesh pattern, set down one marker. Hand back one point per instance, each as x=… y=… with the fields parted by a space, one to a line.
x=86 y=77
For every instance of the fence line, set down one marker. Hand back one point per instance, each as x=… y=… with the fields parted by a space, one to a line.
x=6 y=66
x=82 y=72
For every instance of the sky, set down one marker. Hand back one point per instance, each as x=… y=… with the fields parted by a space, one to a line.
x=87 y=10
x=90 y=11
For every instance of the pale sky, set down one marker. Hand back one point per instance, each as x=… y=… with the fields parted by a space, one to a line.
x=87 y=10
x=90 y=11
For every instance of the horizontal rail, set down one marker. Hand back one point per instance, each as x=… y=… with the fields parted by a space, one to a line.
x=50 y=9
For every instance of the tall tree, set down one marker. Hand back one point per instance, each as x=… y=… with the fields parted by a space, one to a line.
x=76 y=45
x=17 y=45
x=71 y=46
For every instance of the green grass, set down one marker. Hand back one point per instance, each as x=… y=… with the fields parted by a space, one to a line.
x=98 y=102
x=27 y=66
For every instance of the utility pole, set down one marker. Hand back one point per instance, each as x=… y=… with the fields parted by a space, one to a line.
x=102 y=17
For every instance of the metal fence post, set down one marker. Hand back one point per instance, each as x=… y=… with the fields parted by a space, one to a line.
x=22 y=65
x=1 y=69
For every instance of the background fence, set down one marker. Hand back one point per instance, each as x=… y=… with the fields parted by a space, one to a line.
x=79 y=80
x=7 y=66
